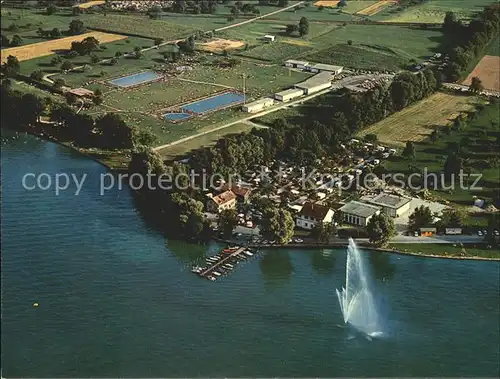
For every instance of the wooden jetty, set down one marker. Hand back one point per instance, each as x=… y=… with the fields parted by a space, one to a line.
x=205 y=273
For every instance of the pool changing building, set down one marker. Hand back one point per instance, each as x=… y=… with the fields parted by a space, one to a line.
x=288 y=94
x=258 y=105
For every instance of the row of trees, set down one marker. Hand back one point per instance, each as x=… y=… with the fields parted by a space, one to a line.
x=468 y=41
x=196 y=7
x=109 y=131
x=337 y=117
x=16 y=40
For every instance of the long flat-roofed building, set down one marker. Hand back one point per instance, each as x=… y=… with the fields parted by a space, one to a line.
x=358 y=213
x=393 y=205
x=296 y=64
x=288 y=94
x=321 y=67
x=258 y=105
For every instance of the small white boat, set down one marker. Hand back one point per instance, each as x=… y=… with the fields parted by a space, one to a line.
x=216 y=273
x=248 y=253
x=212 y=278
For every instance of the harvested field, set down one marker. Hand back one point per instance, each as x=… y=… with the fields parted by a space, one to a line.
x=375 y=8
x=297 y=42
x=90 y=4
x=488 y=70
x=219 y=45
x=327 y=3
x=42 y=49
x=418 y=121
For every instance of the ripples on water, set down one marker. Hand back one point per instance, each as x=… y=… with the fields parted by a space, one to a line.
x=115 y=300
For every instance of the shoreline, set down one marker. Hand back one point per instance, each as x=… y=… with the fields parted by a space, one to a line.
x=336 y=245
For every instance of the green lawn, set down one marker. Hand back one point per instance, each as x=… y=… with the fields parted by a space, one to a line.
x=206 y=140
x=446 y=250
x=375 y=46
x=434 y=11
x=277 y=51
x=479 y=147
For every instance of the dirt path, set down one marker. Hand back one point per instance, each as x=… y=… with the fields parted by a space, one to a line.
x=259 y=17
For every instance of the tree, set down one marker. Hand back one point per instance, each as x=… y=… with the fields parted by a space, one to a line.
x=381 y=229
x=421 y=217
x=59 y=83
x=33 y=108
x=67 y=65
x=86 y=46
x=453 y=165
x=321 y=8
x=349 y=42
x=56 y=60
x=322 y=232
x=450 y=22
x=291 y=29
x=476 y=85
x=144 y=137
x=409 y=150
x=97 y=99
x=158 y=41
x=228 y=219
x=76 y=27
x=55 y=33
x=371 y=138
x=94 y=59
x=5 y=41
x=76 y=11
x=454 y=218
x=230 y=18
x=71 y=98
x=51 y=9
x=114 y=132
x=16 y=41
x=303 y=26
x=11 y=66
x=37 y=75
x=277 y=225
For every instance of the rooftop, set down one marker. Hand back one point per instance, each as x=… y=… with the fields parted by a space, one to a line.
x=293 y=61
x=289 y=92
x=326 y=67
x=360 y=209
x=315 y=211
x=265 y=100
x=82 y=92
x=224 y=197
x=390 y=201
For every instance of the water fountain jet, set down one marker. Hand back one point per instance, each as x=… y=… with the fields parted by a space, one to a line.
x=356 y=299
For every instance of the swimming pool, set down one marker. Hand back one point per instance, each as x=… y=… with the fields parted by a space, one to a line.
x=213 y=103
x=176 y=116
x=135 y=79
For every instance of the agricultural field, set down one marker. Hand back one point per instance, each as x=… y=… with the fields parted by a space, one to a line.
x=434 y=11
x=488 y=70
x=417 y=122
x=375 y=8
x=375 y=46
x=278 y=51
x=90 y=4
x=42 y=49
x=480 y=150
x=218 y=45
x=139 y=25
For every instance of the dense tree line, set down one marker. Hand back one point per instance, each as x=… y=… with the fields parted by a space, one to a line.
x=337 y=116
x=468 y=41
x=108 y=131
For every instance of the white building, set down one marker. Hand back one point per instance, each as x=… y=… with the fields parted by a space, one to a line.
x=358 y=213
x=320 y=67
x=296 y=64
x=392 y=205
x=288 y=94
x=258 y=105
x=309 y=88
x=269 y=38
x=311 y=214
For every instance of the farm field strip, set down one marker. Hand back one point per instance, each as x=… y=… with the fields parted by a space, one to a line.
x=417 y=122
x=219 y=45
x=375 y=8
x=90 y=4
x=42 y=49
x=327 y=3
x=488 y=70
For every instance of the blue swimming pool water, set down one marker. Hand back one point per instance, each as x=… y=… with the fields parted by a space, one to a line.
x=176 y=116
x=214 y=102
x=133 y=80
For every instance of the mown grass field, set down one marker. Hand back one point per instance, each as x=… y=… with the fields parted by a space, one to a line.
x=209 y=139
x=415 y=123
x=374 y=46
x=434 y=11
x=478 y=140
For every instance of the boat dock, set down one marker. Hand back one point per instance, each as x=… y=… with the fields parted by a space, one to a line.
x=222 y=263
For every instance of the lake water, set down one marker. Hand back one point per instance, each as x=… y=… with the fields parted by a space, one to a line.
x=116 y=300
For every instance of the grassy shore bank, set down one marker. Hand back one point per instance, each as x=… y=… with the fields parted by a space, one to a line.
x=451 y=251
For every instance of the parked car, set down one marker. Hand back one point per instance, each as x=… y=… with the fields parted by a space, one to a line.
x=495 y=232
x=479 y=233
x=415 y=234
x=298 y=240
